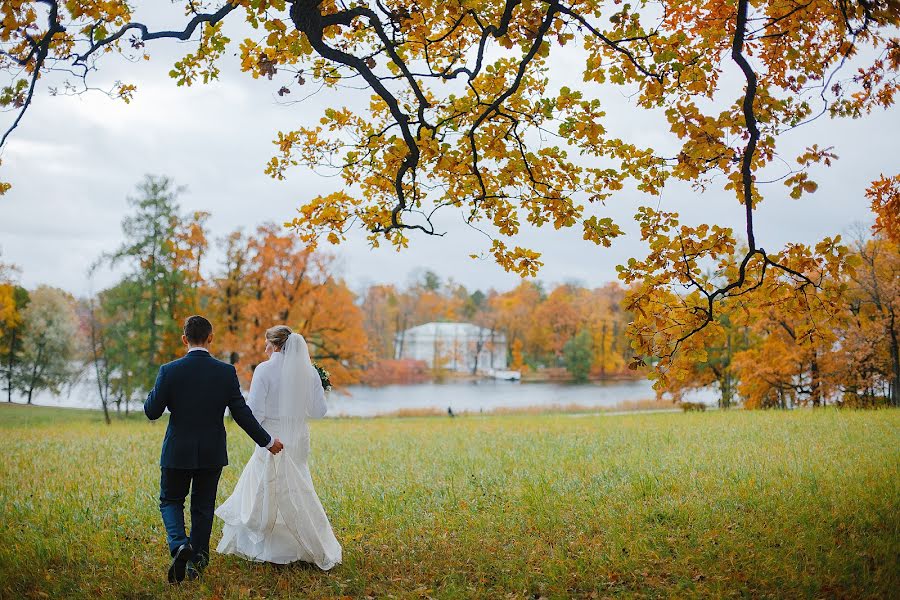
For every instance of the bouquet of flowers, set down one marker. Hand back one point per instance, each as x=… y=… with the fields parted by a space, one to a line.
x=324 y=376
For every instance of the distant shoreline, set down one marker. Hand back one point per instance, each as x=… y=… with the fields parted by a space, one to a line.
x=644 y=406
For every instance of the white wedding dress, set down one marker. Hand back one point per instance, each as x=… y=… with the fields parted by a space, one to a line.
x=274 y=514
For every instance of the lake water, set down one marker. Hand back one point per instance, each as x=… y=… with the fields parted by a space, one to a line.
x=476 y=396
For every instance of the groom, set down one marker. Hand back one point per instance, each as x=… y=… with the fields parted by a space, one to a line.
x=196 y=389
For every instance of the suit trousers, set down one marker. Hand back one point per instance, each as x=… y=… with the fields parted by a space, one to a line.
x=174 y=485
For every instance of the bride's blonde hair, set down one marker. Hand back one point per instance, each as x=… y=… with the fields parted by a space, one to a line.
x=278 y=335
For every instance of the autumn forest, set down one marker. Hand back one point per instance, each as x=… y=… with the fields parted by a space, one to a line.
x=770 y=354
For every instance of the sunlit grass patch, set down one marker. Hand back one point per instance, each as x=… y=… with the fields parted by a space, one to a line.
x=800 y=504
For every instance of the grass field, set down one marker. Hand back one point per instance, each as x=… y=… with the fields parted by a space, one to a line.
x=721 y=504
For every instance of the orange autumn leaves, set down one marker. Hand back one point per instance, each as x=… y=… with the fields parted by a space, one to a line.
x=464 y=113
x=269 y=278
x=773 y=342
x=472 y=144
x=884 y=193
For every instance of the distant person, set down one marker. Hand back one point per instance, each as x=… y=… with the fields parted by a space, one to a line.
x=196 y=389
x=450 y=412
x=274 y=514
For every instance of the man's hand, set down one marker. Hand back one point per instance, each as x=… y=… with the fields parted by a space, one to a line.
x=276 y=447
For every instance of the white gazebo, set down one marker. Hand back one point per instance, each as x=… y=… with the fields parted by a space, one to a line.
x=462 y=347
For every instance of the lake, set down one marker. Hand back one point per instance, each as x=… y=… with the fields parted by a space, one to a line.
x=470 y=396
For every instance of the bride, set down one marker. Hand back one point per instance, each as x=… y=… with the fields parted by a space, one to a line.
x=274 y=514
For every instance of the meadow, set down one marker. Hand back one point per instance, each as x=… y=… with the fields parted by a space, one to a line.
x=718 y=504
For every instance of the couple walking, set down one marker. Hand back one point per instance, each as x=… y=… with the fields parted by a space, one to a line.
x=273 y=514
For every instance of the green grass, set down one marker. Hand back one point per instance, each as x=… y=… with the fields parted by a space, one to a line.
x=747 y=504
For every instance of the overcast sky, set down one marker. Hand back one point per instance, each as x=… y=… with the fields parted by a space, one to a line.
x=74 y=160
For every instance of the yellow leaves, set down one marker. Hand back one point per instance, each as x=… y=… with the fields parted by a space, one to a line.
x=503 y=173
x=202 y=63
x=329 y=214
x=4 y=186
x=601 y=231
x=126 y=92
x=10 y=316
x=567 y=98
x=800 y=184
x=519 y=260
x=249 y=51
x=336 y=119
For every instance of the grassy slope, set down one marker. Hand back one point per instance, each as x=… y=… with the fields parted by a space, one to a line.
x=802 y=504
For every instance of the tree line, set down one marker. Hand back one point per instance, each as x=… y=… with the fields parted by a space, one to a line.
x=117 y=337
x=838 y=343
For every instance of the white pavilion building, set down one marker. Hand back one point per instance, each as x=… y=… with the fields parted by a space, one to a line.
x=462 y=347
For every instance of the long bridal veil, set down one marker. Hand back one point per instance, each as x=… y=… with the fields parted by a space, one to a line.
x=295 y=392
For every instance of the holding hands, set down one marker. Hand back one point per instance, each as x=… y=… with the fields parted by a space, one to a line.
x=276 y=446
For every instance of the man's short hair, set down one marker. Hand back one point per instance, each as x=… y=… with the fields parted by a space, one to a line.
x=197 y=330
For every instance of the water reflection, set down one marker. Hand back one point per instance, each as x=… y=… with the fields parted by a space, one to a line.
x=488 y=395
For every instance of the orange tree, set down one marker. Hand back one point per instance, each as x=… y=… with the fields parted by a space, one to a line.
x=463 y=116
x=514 y=315
x=557 y=320
x=269 y=279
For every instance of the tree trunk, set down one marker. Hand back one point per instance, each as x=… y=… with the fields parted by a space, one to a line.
x=726 y=385
x=102 y=378
x=815 y=389
x=9 y=366
x=106 y=415
x=105 y=406
x=725 y=382
x=35 y=371
x=479 y=344
x=603 y=350
x=399 y=337
x=125 y=376
x=895 y=364
x=151 y=350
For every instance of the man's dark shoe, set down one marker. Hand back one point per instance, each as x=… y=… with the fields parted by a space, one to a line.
x=178 y=568
x=191 y=572
x=200 y=561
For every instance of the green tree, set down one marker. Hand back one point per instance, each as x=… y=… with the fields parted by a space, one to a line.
x=578 y=355
x=51 y=333
x=152 y=285
x=116 y=342
x=431 y=281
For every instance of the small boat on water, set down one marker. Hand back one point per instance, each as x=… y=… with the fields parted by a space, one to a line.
x=505 y=375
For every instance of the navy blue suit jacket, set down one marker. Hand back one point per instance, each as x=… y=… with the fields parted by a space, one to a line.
x=196 y=389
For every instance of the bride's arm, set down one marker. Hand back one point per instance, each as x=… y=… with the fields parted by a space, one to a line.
x=259 y=387
x=317 y=408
